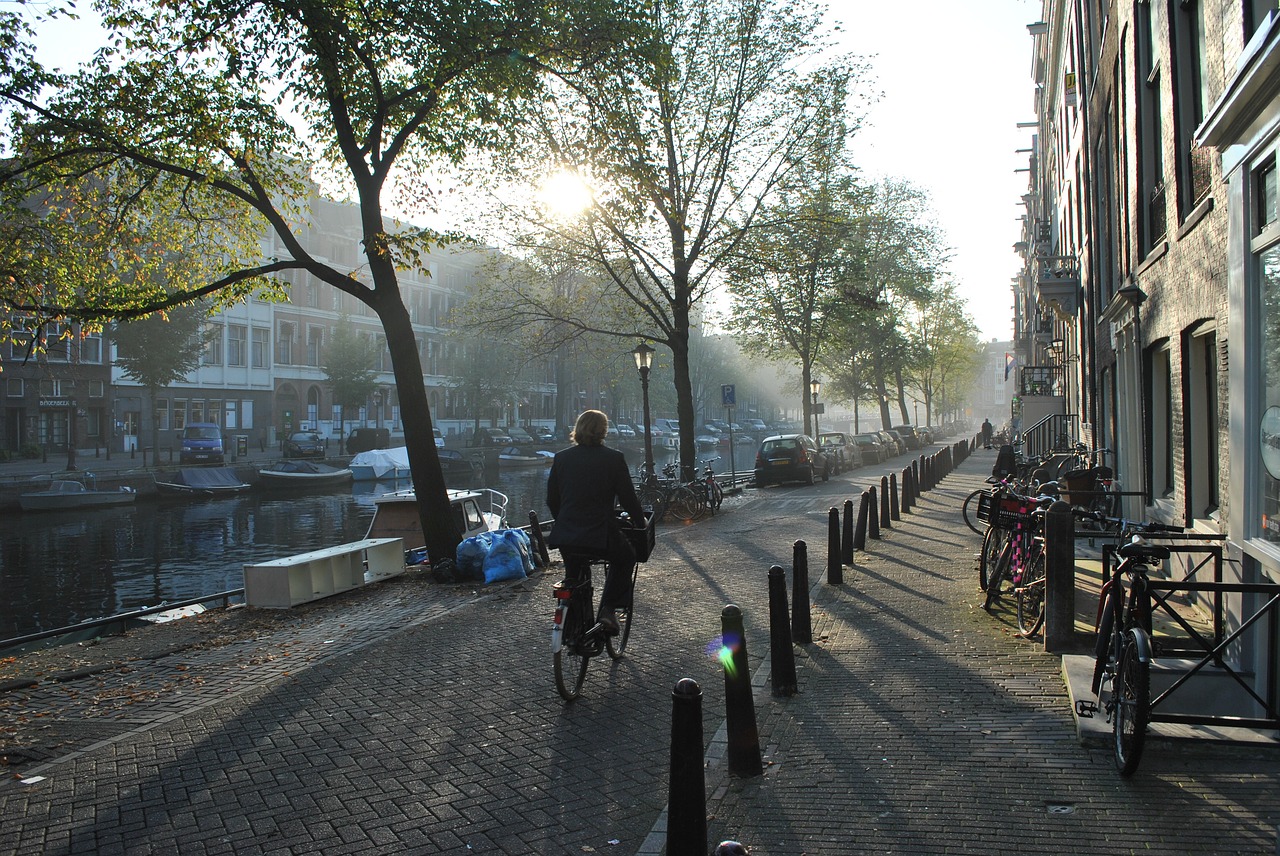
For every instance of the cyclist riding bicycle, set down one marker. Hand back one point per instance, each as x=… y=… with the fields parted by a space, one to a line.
x=584 y=483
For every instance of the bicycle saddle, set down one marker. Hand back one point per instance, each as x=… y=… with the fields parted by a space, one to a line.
x=1143 y=551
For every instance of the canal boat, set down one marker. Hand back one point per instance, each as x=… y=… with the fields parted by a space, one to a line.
x=68 y=495
x=303 y=475
x=381 y=465
x=201 y=481
x=514 y=456
x=396 y=514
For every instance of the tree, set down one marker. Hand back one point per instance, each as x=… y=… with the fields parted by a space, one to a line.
x=680 y=160
x=160 y=349
x=208 y=113
x=944 y=343
x=486 y=372
x=348 y=365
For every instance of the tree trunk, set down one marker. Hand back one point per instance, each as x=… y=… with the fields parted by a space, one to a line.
x=679 y=343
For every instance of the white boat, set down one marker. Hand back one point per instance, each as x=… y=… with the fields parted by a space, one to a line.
x=396 y=514
x=513 y=456
x=303 y=474
x=381 y=464
x=66 y=495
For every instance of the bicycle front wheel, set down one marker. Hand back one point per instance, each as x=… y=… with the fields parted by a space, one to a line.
x=969 y=511
x=654 y=498
x=1131 y=694
x=570 y=662
x=1000 y=572
x=616 y=645
x=1031 y=598
x=992 y=544
x=684 y=504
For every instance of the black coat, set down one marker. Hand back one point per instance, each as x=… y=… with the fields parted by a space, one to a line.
x=581 y=489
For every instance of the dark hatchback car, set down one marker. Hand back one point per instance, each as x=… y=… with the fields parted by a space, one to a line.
x=790 y=457
x=304 y=444
x=908 y=435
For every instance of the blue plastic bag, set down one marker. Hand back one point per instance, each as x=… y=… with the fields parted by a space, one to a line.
x=471 y=555
x=503 y=561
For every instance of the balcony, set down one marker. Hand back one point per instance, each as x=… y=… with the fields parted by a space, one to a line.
x=1058 y=286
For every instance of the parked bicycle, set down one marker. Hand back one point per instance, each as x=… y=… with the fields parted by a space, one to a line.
x=709 y=490
x=1124 y=648
x=576 y=634
x=667 y=496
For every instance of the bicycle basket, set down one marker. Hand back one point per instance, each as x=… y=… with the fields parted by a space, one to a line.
x=986 y=504
x=1011 y=512
x=642 y=540
x=1079 y=485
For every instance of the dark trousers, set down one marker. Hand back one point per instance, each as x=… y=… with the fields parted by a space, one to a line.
x=617 y=581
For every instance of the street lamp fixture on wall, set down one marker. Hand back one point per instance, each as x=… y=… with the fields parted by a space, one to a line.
x=643 y=355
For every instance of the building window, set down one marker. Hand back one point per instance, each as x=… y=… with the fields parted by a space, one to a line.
x=1190 y=97
x=14 y=387
x=1256 y=13
x=212 y=346
x=1160 y=420
x=1150 y=133
x=91 y=348
x=1265 y=188
x=162 y=414
x=179 y=414
x=1200 y=370
x=315 y=337
x=97 y=389
x=237 y=346
x=284 y=343
x=261 y=347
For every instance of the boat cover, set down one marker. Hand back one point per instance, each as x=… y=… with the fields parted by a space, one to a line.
x=382 y=461
x=209 y=478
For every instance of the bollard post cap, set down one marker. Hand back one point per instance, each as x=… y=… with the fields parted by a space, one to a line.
x=687 y=688
x=776 y=571
x=730 y=848
x=731 y=610
x=799 y=542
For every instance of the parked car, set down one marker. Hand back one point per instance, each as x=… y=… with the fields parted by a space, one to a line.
x=367 y=439
x=790 y=457
x=895 y=443
x=841 y=449
x=439 y=438
x=873 y=448
x=928 y=435
x=908 y=435
x=756 y=426
x=304 y=444
x=719 y=425
x=519 y=436
x=543 y=434
x=492 y=437
x=626 y=431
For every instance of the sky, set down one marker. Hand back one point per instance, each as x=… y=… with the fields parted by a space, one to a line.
x=956 y=81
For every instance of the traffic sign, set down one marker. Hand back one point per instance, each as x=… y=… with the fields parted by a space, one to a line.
x=727 y=395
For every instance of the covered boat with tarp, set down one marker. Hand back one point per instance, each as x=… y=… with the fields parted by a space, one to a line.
x=200 y=481
x=381 y=465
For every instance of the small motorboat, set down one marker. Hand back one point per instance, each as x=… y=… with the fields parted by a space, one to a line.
x=381 y=465
x=201 y=481
x=303 y=475
x=68 y=495
x=514 y=456
x=396 y=514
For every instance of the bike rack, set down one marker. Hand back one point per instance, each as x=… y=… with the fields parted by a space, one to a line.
x=1211 y=649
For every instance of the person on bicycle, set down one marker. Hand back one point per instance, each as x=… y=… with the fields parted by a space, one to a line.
x=585 y=481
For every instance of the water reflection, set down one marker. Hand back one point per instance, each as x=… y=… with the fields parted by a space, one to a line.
x=57 y=569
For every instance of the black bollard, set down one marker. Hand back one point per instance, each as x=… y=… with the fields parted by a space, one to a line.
x=687 y=793
x=801 y=623
x=860 y=536
x=893 y=497
x=539 y=543
x=730 y=848
x=885 y=521
x=835 y=574
x=782 y=655
x=916 y=487
x=873 y=518
x=740 y=708
x=846 y=537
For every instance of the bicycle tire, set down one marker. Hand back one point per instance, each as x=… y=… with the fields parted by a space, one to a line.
x=972 y=521
x=570 y=662
x=683 y=504
x=997 y=577
x=654 y=499
x=616 y=645
x=1131 y=695
x=1102 y=645
x=992 y=544
x=1031 y=598
x=717 y=496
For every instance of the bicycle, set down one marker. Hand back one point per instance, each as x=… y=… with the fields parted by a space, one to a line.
x=1123 y=651
x=667 y=495
x=576 y=633
x=711 y=494
x=1021 y=553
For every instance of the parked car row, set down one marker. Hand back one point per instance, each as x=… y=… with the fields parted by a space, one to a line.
x=798 y=457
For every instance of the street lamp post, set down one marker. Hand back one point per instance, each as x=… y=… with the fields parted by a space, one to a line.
x=643 y=355
x=377 y=409
x=815 y=386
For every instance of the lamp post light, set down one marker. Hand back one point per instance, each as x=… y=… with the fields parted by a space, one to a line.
x=377 y=409
x=815 y=386
x=643 y=355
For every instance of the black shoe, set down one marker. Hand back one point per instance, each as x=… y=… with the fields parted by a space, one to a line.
x=609 y=622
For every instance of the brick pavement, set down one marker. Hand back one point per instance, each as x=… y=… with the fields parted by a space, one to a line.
x=425 y=720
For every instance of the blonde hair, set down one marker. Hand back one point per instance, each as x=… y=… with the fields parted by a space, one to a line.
x=590 y=429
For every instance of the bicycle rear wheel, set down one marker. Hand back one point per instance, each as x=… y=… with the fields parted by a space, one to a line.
x=992 y=544
x=999 y=573
x=969 y=511
x=615 y=645
x=570 y=662
x=684 y=504
x=1131 y=694
x=1031 y=598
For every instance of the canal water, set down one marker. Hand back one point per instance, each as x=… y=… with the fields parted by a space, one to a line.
x=57 y=569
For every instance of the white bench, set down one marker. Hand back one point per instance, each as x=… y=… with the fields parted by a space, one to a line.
x=282 y=583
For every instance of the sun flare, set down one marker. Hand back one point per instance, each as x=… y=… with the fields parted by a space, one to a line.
x=565 y=193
